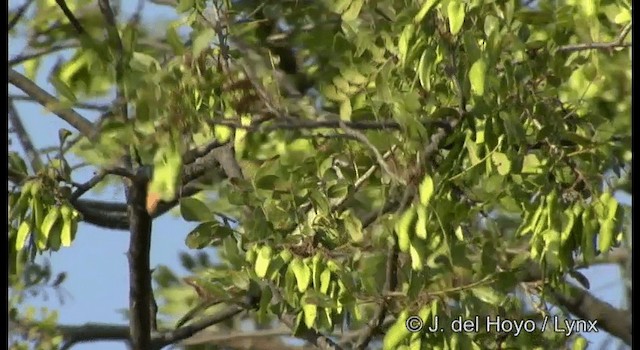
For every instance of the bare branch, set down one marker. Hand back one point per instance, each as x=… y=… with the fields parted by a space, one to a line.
x=116 y=41
x=615 y=44
x=19 y=13
x=25 y=139
x=190 y=329
x=296 y=124
x=52 y=49
x=79 y=105
x=584 y=305
x=381 y=161
x=45 y=99
x=71 y=17
x=321 y=341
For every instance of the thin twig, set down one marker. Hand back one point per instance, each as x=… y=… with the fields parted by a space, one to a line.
x=617 y=43
x=25 y=139
x=293 y=124
x=79 y=105
x=19 y=13
x=30 y=56
x=381 y=161
x=71 y=17
x=114 y=37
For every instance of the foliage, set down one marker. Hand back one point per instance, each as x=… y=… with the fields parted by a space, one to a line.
x=420 y=155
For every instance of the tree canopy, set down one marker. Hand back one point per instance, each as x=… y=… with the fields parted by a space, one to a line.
x=350 y=164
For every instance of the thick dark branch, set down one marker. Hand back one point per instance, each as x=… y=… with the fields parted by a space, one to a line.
x=139 y=264
x=45 y=99
x=114 y=215
x=71 y=17
x=23 y=137
x=584 y=305
x=617 y=43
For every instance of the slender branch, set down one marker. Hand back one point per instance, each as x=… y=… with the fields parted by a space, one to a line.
x=617 y=43
x=45 y=99
x=79 y=105
x=71 y=17
x=19 y=13
x=29 y=56
x=190 y=329
x=312 y=336
x=381 y=161
x=23 y=136
x=116 y=41
x=293 y=124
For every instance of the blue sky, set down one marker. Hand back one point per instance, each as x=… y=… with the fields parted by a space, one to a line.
x=96 y=263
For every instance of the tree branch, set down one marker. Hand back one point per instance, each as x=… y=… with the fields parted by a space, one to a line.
x=140 y=289
x=45 y=99
x=617 y=43
x=311 y=335
x=19 y=13
x=25 y=139
x=186 y=331
x=584 y=305
x=293 y=124
x=71 y=17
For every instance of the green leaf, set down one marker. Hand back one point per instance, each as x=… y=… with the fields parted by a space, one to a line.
x=267 y=182
x=397 y=333
x=502 y=162
x=424 y=10
x=487 y=295
x=418 y=253
x=302 y=272
x=404 y=228
x=49 y=221
x=421 y=224
x=68 y=228
x=174 y=40
x=62 y=87
x=263 y=260
x=404 y=42
x=192 y=209
x=203 y=41
x=353 y=226
x=166 y=173
x=143 y=62
x=426 y=190
x=353 y=11
x=424 y=68
x=531 y=164
x=477 y=76
x=310 y=314
x=456 y=13
x=580 y=343
x=345 y=110
x=23 y=233
x=207 y=234
x=185 y=5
